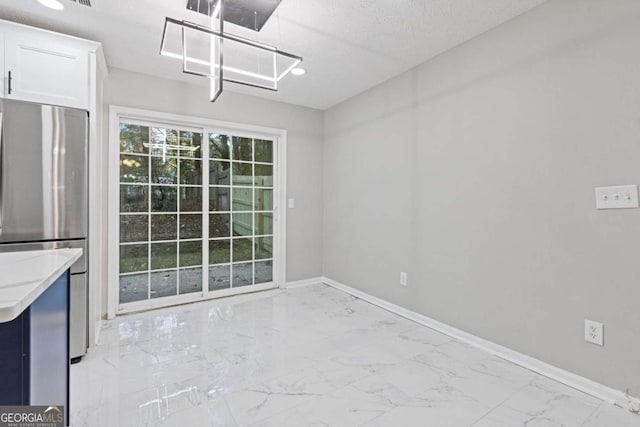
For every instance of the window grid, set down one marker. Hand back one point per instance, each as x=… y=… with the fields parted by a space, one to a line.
x=206 y=213
x=178 y=185
x=236 y=211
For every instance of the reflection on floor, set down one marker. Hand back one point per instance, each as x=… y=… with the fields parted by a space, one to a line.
x=309 y=356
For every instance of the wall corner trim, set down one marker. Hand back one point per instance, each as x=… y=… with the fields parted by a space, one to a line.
x=570 y=379
x=305 y=282
x=99 y=325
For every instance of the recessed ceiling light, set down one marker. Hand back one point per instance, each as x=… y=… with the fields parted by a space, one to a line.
x=298 y=71
x=52 y=4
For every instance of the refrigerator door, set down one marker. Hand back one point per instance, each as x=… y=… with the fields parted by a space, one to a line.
x=43 y=172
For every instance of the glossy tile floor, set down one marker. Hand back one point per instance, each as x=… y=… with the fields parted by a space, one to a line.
x=311 y=356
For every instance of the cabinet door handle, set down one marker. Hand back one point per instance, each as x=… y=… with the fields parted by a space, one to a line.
x=10 y=82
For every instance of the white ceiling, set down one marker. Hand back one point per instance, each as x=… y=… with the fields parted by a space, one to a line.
x=348 y=46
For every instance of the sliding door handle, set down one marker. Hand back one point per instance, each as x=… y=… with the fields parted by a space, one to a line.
x=9 y=83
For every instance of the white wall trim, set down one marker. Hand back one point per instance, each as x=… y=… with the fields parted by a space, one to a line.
x=113 y=203
x=195 y=121
x=94 y=275
x=280 y=212
x=97 y=336
x=578 y=382
x=96 y=236
x=305 y=282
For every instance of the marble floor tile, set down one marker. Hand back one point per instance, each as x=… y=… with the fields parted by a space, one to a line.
x=543 y=402
x=608 y=415
x=311 y=356
x=265 y=399
x=353 y=405
x=441 y=405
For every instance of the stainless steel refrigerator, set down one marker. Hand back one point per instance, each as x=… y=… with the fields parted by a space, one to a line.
x=43 y=192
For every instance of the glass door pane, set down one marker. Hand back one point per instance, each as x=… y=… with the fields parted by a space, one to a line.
x=240 y=211
x=161 y=212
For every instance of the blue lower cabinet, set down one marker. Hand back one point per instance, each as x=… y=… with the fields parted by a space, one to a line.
x=34 y=352
x=14 y=361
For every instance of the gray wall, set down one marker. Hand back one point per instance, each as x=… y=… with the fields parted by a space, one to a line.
x=475 y=172
x=304 y=143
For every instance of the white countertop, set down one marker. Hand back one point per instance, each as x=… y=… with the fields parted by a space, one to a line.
x=24 y=276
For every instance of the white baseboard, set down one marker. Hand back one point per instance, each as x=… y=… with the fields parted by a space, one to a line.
x=578 y=382
x=305 y=282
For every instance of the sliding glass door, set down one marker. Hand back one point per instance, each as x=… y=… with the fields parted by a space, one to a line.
x=196 y=213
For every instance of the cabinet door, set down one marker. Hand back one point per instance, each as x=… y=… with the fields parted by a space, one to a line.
x=46 y=68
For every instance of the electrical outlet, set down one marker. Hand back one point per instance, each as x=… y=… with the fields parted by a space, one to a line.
x=594 y=332
x=403 y=278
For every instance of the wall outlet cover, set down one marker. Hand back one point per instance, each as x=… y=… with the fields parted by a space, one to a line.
x=594 y=332
x=403 y=278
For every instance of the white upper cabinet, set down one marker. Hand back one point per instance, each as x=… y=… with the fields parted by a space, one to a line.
x=45 y=67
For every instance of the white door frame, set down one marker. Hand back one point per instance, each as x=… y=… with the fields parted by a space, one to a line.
x=116 y=113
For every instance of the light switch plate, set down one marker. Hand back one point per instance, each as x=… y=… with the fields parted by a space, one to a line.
x=292 y=203
x=618 y=197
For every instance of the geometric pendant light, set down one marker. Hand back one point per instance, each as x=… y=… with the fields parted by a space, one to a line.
x=210 y=52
